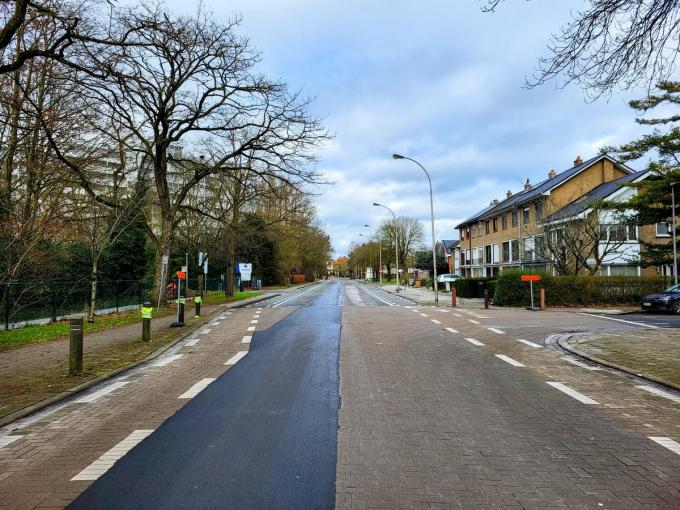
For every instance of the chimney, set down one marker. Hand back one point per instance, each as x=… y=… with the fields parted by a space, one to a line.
x=508 y=194
x=552 y=173
x=578 y=160
x=527 y=186
x=494 y=202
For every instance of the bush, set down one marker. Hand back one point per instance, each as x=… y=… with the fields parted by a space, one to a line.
x=474 y=287
x=576 y=290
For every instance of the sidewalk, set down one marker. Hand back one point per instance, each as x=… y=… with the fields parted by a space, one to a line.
x=653 y=354
x=37 y=372
x=425 y=296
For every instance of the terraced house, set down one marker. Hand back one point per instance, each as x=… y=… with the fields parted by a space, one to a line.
x=510 y=233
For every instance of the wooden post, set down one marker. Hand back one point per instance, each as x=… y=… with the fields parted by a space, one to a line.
x=542 y=299
x=75 y=354
x=453 y=296
x=486 y=299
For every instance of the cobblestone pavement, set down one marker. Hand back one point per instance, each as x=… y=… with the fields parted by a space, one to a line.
x=476 y=416
x=653 y=353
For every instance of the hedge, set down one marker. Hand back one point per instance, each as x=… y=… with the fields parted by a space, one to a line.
x=471 y=288
x=576 y=290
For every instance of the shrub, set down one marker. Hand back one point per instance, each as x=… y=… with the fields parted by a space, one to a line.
x=474 y=287
x=575 y=290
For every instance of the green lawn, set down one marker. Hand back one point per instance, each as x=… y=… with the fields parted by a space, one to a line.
x=219 y=298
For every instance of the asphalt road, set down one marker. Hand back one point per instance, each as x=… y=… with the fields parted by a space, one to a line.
x=262 y=436
x=652 y=319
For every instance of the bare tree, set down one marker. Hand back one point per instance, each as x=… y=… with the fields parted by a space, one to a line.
x=612 y=43
x=408 y=232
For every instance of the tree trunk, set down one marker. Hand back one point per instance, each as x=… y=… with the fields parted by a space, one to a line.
x=93 y=292
x=162 y=248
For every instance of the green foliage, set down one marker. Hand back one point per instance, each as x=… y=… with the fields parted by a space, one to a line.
x=424 y=261
x=575 y=290
x=474 y=287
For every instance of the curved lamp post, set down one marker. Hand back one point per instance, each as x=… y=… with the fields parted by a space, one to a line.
x=434 y=257
x=396 y=238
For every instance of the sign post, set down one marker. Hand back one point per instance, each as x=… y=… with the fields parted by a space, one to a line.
x=181 y=275
x=531 y=278
x=245 y=270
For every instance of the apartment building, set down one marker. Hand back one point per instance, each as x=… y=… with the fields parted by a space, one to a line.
x=508 y=232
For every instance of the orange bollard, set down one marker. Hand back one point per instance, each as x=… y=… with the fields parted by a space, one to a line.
x=542 y=299
x=453 y=297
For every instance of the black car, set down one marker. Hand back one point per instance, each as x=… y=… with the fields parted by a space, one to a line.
x=666 y=301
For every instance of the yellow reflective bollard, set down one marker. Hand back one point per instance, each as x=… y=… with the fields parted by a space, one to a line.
x=147 y=313
x=197 y=301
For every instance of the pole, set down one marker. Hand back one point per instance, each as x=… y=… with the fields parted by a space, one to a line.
x=453 y=296
x=380 y=268
x=531 y=286
x=75 y=351
x=675 y=250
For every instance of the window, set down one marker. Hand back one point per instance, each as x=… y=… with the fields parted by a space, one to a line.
x=515 y=251
x=618 y=233
x=538 y=209
x=495 y=224
x=488 y=254
x=487 y=228
x=632 y=233
x=663 y=229
x=525 y=215
x=504 y=221
x=539 y=247
x=506 y=251
x=619 y=270
x=514 y=218
x=528 y=254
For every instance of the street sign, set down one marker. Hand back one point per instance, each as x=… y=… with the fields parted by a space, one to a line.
x=203 y=261
x=245 y=270
x=182 y=275
x=530 y=278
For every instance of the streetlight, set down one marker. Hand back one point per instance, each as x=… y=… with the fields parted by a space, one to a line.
x=434 y=256
x=396 y=238
x=675 y=250
x=370 y=256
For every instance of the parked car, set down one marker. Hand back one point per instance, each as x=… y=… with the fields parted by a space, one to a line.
x=666 y=301
x=448 y=277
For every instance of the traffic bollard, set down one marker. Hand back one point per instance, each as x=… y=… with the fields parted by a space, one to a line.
x=453 y=297
x=197 y=301
x=180 y=305
x=147 y=311
x=542 y=299
x=486 y=299
x=75 y=352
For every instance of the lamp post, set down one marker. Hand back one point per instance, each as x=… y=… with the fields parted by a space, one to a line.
x=370 y=254
x=675 y=250
x=434 y=256
x=396 y=238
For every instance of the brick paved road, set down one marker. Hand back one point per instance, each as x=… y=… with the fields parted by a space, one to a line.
x=428 y=419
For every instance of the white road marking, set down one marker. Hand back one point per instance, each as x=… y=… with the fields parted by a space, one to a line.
x=572 y=393
x=5 y=440
x=414 y=310
x=451 y=330
x=216 y=323
x=620 y=320
x=667 y=442
x=259 y=308
x=106 y=461
x=167 y=361
x=661 y=393
x=579 y=364
x=205 y=331
x=482 y=317
x=378 y=297
x=250 y=328
x=473 y=341
x=497 y=331
x=435 y=321
x=100 y=393
x=197 y=388
x=472 y=321
x=441 y=310
x=530 y=344
x=508 y=359
x=457 y=315
x=236 y=358
x=293 y=297
x=246 y=339
x=423 y=315
x=254 y=321
x=192 y=342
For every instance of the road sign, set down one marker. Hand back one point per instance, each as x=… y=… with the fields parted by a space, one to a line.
x=245 y=270
x=182 y=275
x=530 y=278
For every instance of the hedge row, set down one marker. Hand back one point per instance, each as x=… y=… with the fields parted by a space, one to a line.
x=474 y=287
x=576 y=290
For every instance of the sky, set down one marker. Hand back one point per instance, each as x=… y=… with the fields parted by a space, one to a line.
x=439 y=81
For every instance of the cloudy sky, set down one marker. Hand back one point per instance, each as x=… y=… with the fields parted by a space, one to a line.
x=438 y=80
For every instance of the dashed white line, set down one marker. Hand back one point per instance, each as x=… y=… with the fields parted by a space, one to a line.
x=572 y=393
x=457 y=315
x=660 y=393
x=197 y=388
x=508 y=359
x=205 y=331
x=497 y=331
x=294 y=297
x=472 y=321
x=621 y=320
x=530 y=344
x=246 y=339
x=378 y=297
x=9 y=439
x=192 y=342
x=167 y=361
x=250 y=328
x=254 y=321
x=424 y=315
x=667 y=442
x=100 y=393
x=579 y=364
x=451 y=330
x=473 y=341
x=104 y=463
x=435 y=321
x=236 y=358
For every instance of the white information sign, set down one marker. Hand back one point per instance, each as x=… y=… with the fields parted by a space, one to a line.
x=245 y=270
